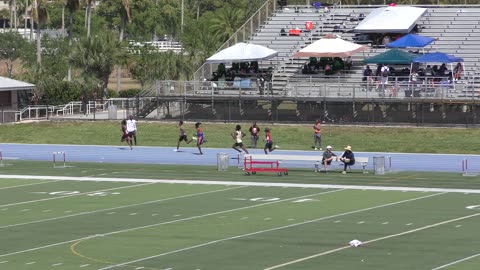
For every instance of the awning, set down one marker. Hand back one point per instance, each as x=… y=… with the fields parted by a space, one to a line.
x=242 y=52
x=330 y=46
x=393 y=19
x=393 y=56
x=411 y=41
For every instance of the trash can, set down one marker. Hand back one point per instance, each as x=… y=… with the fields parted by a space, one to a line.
x=309 y=26
x=379 y=165
x=112 y=112
x=222 y=161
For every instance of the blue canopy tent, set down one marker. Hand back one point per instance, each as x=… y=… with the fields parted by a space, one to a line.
x=439 y=57
x=411 y=40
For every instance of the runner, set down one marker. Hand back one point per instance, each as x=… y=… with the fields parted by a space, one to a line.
x=132 y=129
x=269 y=144
x=198 y=137
x=183 y=135
x=255 y=132
x=238 y=135
x=125 y=136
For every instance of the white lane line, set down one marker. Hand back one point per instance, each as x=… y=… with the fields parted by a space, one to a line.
x=84 y=265
x=375 y=240
x=270 y=230
x=250 y=184
x=30 y=263
x=118 y=207
x=32 y=184
x=455 y=262
x=3 y=262
x=133 y=214
x=409 y=224
x=166 y=222
x=73 y=195
x=385 y=223
x=57 y=264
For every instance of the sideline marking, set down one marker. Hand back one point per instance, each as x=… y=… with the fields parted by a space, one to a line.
x=270 y=230
x=250 y=184
x=161 y=223
x=118 y=207
x=455 y=262
x=375 y=240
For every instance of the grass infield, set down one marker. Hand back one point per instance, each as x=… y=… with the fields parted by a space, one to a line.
x=293 y=137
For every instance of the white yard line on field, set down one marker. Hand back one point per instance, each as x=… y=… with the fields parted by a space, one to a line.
x=251 y=184
x=119 y=207
x=73 y=195
x=31 y=184
x=374 y=240
x=269 y=230
x=455 y=262
x=163 y=223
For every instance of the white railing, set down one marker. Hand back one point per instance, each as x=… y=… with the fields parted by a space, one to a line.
x=69 y=108
x=36 y=112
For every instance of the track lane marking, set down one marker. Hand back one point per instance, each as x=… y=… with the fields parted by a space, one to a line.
x=270 y=230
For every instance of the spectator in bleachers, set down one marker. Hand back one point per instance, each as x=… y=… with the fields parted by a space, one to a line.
x=306 y=69
x=429 y=74
x=338 y=64
x=313 y=63
x=283 y=32
x=326 y=9
x=457 y=71
x=348 y=63
x=384 y=73
x=367 y=78
x=442 y=71
x=329 y=69
x=282 y=3
x=317 y=6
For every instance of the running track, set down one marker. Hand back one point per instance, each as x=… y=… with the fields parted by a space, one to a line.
x=188 y=155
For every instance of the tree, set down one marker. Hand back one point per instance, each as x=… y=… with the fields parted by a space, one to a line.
x=12 y=47
x=40 y=15
x=226 y=22
x=97 y=56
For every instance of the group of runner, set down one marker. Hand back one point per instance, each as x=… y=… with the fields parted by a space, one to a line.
x=237 y=135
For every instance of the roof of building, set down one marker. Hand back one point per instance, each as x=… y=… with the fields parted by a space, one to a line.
x=7 y=84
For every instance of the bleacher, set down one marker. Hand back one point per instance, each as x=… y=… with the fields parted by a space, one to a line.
x=457 y=31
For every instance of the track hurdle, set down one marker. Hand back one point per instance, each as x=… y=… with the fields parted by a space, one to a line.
x=465 y=171
x=55 y=159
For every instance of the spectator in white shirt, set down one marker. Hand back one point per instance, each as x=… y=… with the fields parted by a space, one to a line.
x=132 y=129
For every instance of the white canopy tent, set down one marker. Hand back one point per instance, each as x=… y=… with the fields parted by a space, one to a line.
x=242 y=52
x=392 y=19
x=330 y=46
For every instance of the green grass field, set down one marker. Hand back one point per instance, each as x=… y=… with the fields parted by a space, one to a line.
x=292 y=137
x=73 y=218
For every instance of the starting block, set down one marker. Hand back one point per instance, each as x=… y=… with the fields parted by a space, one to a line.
x=59 y=157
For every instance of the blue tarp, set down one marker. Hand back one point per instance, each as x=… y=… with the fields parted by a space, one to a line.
x=411 y=40
x=437 y=57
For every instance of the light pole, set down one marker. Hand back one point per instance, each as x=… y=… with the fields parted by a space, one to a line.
x=181 y=23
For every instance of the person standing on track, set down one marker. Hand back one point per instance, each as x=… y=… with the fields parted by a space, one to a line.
x=268 y=142
x=317 y=136
x=255 y=132
x=132 y=129
x=183 y=135
x=238 y=135
x=125 y=136
x=198 y=137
